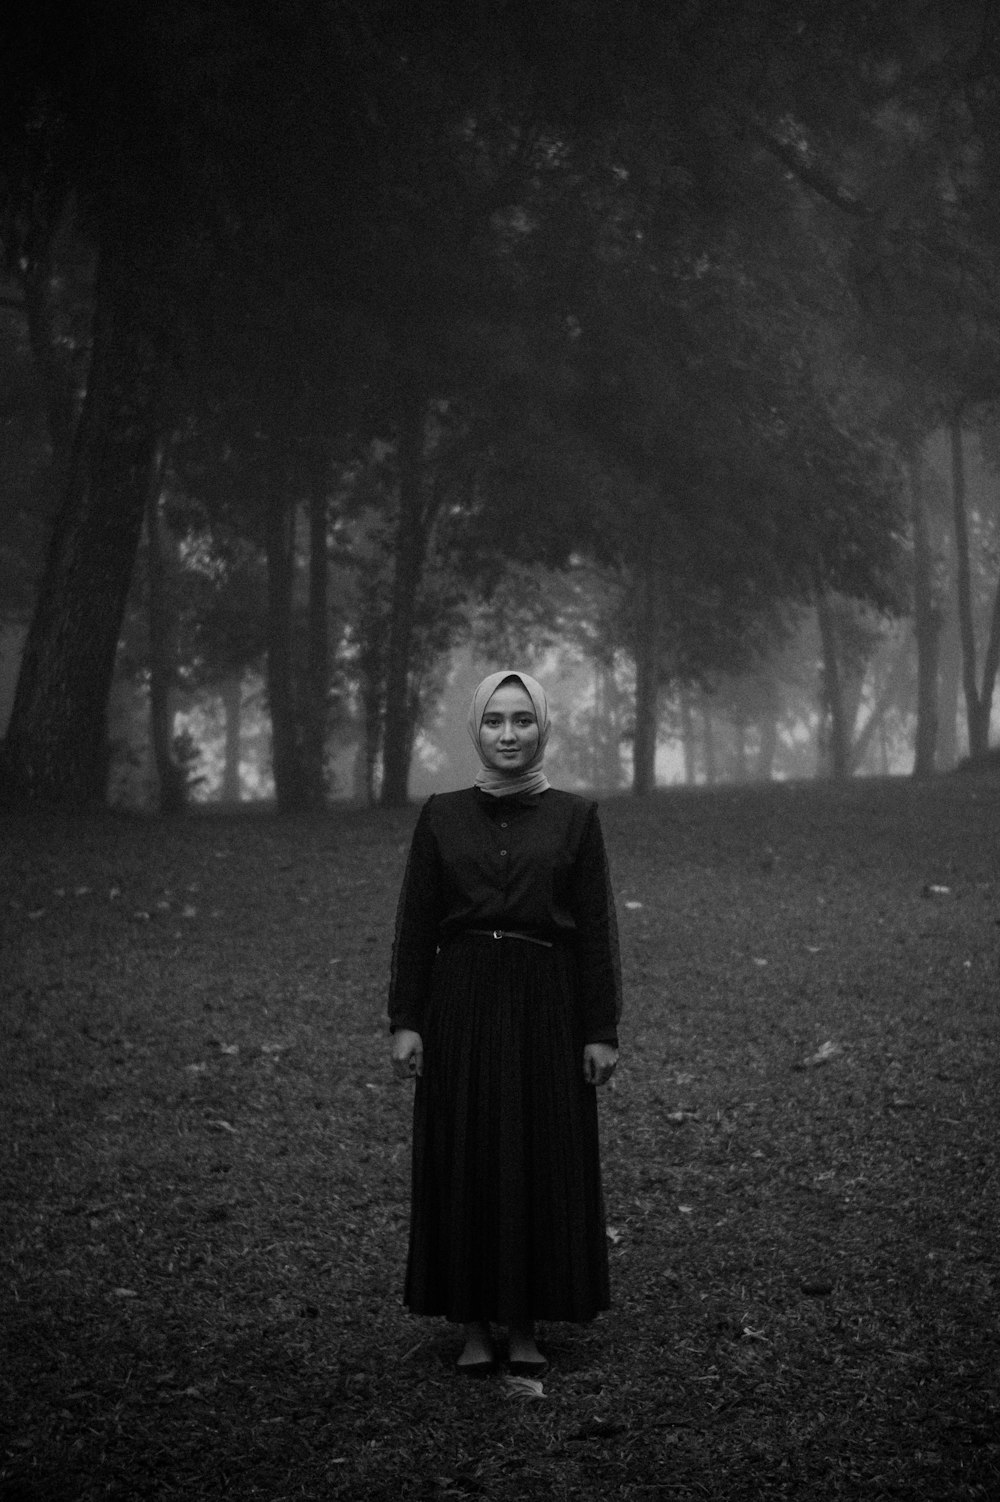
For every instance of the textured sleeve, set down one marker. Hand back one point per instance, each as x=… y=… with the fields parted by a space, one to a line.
x=597 y=937
x=416 y=938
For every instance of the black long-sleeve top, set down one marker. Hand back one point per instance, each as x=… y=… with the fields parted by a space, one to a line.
x=535 y=864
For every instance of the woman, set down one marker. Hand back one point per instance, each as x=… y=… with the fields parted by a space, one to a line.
x=504 y=1003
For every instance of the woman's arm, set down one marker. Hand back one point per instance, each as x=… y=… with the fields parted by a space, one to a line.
x=417 y=917
x=597 y=938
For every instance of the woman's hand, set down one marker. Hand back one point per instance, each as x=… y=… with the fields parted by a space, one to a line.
x=407 y=1054
x=599 y=1060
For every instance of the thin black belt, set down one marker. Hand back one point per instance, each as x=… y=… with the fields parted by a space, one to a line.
x=507 y=933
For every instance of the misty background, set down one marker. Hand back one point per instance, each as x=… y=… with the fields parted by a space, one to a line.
x=349 y=353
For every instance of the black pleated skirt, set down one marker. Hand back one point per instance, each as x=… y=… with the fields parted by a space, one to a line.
x=507 y=1217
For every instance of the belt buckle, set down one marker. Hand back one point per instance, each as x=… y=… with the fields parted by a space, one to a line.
x=498 y=933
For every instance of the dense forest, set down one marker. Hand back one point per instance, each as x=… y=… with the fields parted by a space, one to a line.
x=349 y=349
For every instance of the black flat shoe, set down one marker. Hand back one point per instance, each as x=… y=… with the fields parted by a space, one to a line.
x=535 y=1368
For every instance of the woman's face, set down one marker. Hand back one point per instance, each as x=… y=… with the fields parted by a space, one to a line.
x=509 y=730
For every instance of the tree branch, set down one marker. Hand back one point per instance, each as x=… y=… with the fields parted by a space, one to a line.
x=816 y=178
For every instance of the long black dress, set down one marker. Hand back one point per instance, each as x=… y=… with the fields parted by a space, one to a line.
x=507 y=1216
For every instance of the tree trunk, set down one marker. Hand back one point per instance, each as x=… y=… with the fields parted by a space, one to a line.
x=768 y=750
x=162 y=653
x=991 y=664
x=598 y=730
x=927 y=628
x=687 y=739
x=891 y=693
x=708 y=740
x=279 y=541
x=883 y=747
x=833 y=697
x=647 y=682
x=852 y=678
x=977 y=706
x=231 y=691
x=410 y=550
x=373 y=723
x=371 y=751
x=56 y=746
x=607 y=763
x=741 y=764
x=371 y=687
x=950 y=689
x=49 y=354
x=318 y=657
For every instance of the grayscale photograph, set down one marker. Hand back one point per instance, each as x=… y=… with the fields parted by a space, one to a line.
x=499 y=750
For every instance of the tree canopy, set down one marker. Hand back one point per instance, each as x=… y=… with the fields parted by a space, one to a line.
x=678 y=289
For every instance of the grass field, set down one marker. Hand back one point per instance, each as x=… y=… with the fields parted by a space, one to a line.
x=205 y=1166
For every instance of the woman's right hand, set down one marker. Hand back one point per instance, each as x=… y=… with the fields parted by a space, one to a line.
x=407 y=1054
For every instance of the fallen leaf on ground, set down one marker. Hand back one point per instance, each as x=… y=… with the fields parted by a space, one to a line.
x=524 y=1387
x=823 y=1055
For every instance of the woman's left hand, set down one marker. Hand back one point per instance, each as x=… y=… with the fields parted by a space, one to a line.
x=599 y=1060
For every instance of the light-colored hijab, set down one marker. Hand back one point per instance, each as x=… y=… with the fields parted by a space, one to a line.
x=528 y=779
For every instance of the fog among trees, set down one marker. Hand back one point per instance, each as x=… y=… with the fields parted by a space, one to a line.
x=349 y=351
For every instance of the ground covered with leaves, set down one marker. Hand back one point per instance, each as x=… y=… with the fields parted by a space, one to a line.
x=204 y=1173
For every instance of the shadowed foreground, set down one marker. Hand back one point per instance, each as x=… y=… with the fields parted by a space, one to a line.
x=205 y=1175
